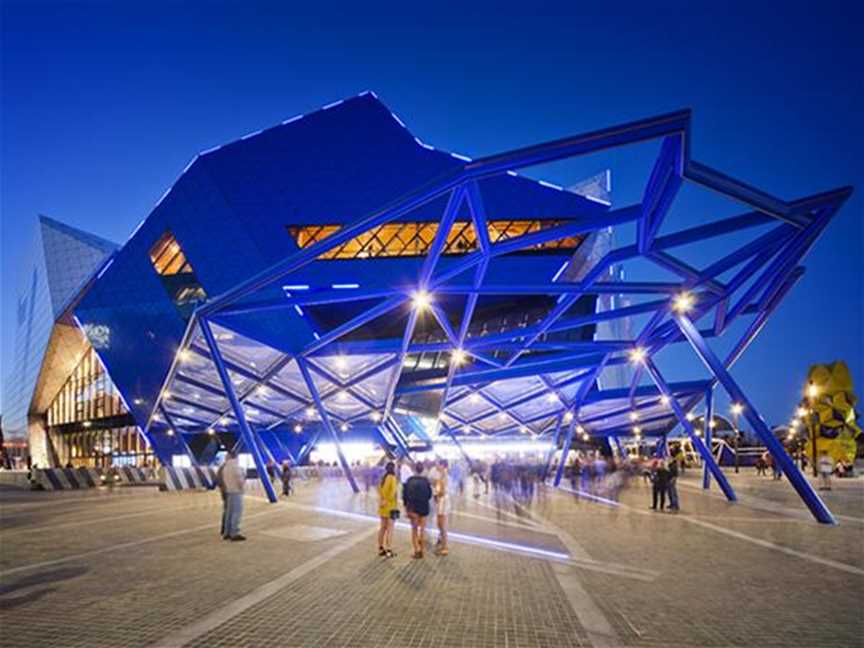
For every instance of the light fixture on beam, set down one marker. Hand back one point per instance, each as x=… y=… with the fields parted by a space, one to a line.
x=683 y=302
x=421 y=300
x=637 y=355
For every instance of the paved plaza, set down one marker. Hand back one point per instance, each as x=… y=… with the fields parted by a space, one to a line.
x=141 y=568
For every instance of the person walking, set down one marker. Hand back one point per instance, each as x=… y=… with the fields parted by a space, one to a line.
x=231 y=477
x=825 y=468
x=440 y=476
x=286 y=478
x=416 y=493
x=660 y=484
x=388 y=510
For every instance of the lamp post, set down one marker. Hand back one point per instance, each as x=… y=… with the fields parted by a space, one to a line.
x=737 y=408
x=812 y=420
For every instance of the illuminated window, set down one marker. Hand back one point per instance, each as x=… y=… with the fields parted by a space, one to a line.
x=167 y=257
x=177 y=275
x=415 y=239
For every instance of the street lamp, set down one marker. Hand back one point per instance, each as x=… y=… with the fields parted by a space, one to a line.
x=812 y=394
x=736 y=409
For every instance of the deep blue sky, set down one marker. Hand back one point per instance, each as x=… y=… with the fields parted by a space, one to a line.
x=104 y=104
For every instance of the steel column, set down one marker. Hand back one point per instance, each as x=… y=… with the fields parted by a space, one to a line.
x=239 y=414
x=709 y=434
x=556 y=437
x=707 y=457
x=565 y=451
x=325 y=420
x=796 y=478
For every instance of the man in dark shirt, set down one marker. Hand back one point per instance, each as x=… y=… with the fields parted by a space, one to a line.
x=672 y=487
x=660 y=479
x=416 y=493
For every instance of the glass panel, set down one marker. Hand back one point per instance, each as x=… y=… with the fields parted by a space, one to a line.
x=415 y=239
x=167 y=257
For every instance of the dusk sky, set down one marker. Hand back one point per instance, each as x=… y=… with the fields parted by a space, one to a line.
x=104 y=104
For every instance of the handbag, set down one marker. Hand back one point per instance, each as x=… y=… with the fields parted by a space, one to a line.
x=394 y=514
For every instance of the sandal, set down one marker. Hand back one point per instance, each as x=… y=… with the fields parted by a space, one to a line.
x=389 y=554
x=382 y=552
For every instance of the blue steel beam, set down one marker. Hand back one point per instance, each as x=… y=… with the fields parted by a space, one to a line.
x=237 y=407
x=565 y=452
x=705 y=452
x=796 y=478
x=663 y=184
x=709 y=433
x=599 y=140
x=556 y=438
x=325 y=420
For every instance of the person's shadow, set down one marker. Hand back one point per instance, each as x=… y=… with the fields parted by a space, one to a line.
x=47 y=578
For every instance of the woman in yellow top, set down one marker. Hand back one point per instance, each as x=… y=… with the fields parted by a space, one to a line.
x=388 y=510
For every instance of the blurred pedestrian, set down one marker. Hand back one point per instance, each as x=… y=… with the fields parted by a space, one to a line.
x=286 y=478
x=825 y=468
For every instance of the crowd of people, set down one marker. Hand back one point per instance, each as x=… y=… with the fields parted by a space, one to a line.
x=428 y=488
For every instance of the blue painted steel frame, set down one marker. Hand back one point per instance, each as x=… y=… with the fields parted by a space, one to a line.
x=787 y=464
x=239 y=414
x=709 y=434
x=325 y=420
x=775 y=253
x=705 y=452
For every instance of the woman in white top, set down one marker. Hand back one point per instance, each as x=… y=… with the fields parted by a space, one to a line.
x=439 y=476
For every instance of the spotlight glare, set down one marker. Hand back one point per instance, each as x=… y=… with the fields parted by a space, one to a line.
x=682 y=303
x=376 y=416
x=634 y=416
x=298 y=428
x=637 y=355
x=737 y=408
x=421 y=300
x=458 y=356
x=568 y=416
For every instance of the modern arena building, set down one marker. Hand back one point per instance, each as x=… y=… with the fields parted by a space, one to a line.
x=335 y=280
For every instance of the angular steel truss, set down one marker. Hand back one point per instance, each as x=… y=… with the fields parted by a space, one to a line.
x=337 y=383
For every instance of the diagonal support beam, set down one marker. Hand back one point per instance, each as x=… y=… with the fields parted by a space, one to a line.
x=709 y=434
x=237 y=407
x=325 y=420
x=715 y=366
x=705 y=452
x=565 y=452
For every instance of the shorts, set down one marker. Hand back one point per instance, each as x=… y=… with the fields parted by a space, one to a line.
x=443 y=506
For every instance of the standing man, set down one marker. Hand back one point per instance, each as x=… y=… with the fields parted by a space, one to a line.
x=673 y=483
x=231 y=476
x=660 y=484
x=286 y=478
x=440 y=477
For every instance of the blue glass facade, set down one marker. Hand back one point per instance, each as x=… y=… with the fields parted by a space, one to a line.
x=61 y=260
